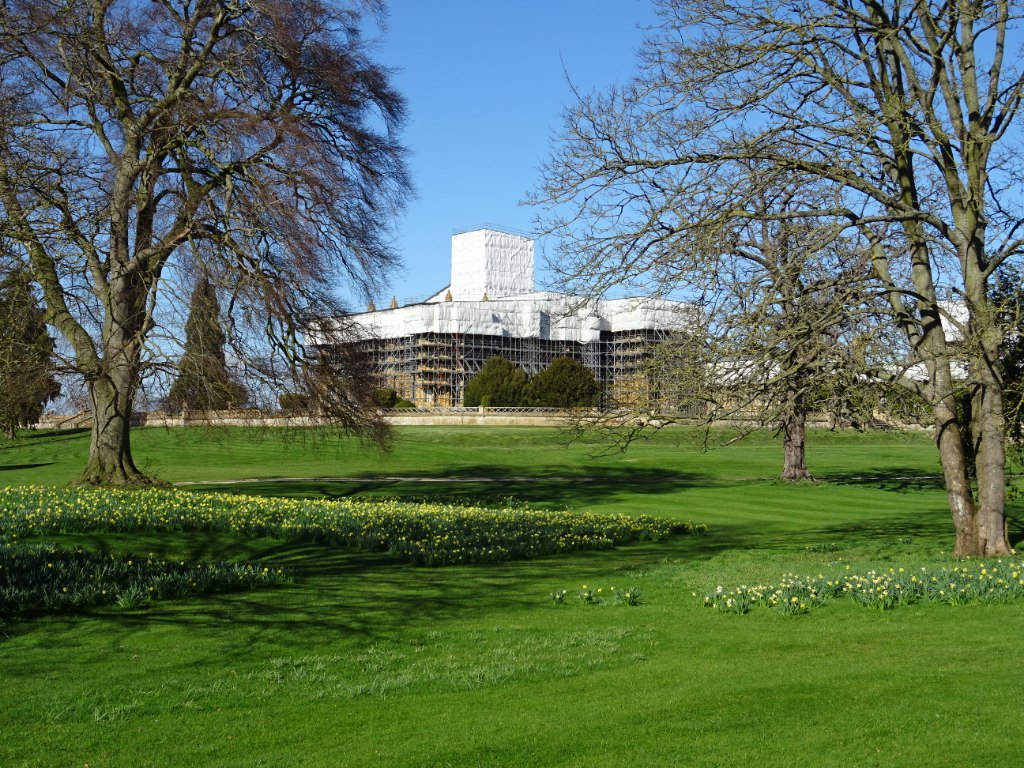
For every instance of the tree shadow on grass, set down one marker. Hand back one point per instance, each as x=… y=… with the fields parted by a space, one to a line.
x=377 y=597
x=6 y=467
x=894 y=479
x=485 y=484
x=907 y=528
x=342 y=592
x=54 y=434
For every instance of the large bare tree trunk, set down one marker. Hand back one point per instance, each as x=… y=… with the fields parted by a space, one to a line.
x=988 y=535
x=794 y=432
x=110 y=456
x=980 y=524
x=794 y=462
x=981 y=529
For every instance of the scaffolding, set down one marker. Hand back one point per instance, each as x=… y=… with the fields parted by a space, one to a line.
x=427 y=351
x=431 y=369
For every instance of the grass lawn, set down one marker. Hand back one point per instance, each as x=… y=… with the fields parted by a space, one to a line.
x=368 y=661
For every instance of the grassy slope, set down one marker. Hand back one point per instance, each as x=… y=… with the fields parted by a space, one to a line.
x=369 y=662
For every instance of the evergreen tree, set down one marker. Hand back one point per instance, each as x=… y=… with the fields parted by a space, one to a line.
x=565 y=383
x=204 y=381
x=498 y=383
x=1009 y=296
x=27 y=383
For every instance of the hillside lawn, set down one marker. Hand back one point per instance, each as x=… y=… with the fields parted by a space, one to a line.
x=368 y=661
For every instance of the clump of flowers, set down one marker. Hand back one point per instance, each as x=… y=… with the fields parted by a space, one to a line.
x=43 y=578
x=600 y=596
x=968 y=582
x=424 y=533
x=558 y=596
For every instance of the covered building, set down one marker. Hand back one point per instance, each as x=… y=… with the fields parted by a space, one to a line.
x=427 y=351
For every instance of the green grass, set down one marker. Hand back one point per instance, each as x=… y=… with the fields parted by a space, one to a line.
x=368 y=661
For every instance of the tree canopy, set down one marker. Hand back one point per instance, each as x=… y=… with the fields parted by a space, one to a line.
x=257 y=137
x=906 y=112
x=564 y=383
x=499 y=383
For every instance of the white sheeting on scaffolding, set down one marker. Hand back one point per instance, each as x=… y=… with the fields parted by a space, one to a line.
x=499 y=266
x=492 y=264
x=546 y=316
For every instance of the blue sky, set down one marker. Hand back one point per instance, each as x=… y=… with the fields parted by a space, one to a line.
x=485 y=84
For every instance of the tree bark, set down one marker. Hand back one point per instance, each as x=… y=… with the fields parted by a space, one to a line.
x=980 y=524
x=983 y=533
x=794 y=428
x=988 y=535
x=110 y=457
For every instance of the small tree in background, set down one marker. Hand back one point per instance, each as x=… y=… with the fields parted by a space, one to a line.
x=385 y=397
x=565 y=383
x=498 y=383
x=27 y=383
x=204 y=381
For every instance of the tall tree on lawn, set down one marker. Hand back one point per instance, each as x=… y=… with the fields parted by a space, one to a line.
x=259 y=133
x=908 y=112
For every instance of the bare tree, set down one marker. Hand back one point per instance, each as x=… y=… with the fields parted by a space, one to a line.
x=258 y=133
x=782 y=307
x=908 y=110
x=785 y=314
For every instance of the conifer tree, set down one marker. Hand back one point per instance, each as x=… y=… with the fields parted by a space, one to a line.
x=27 y=382
x=204 y=381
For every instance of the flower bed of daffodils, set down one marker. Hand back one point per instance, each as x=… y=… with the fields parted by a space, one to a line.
x=957 y=583
x=37 y=579
x=423 y=533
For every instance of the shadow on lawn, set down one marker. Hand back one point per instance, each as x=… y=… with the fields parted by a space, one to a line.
x=376 y=597
x=6 y=467
x=486 y=484
x=895 y=479
x=932 y=527
x=50 y=435
x=341 y=592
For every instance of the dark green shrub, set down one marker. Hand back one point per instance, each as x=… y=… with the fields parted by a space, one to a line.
x=385 y=398
x=499 y=380
x=566 y=383
x=293 y=403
